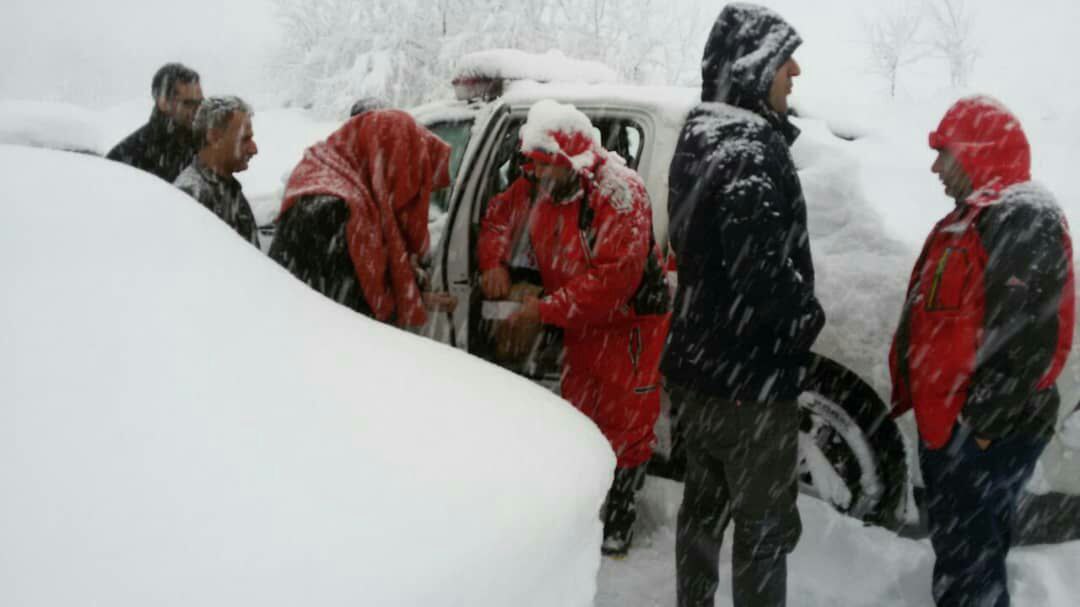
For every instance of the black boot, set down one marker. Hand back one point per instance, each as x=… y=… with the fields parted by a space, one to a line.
x=620 y=511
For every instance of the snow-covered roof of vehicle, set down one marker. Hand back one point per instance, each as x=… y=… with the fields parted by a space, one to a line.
x=668 y=103
x=484 y=74
x=176 y=404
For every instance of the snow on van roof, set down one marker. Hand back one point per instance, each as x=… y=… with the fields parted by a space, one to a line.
x=511 y=64
x=670 y=104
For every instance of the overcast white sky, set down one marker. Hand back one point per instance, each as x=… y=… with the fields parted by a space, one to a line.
x=102 y=52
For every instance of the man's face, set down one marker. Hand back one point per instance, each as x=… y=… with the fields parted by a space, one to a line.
x=552 y=177
x=782 y=85
x=947 y=168
x=183 y=103
x=234 y=144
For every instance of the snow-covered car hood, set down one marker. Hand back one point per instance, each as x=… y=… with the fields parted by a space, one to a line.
x=184 y=423
x=53 y=125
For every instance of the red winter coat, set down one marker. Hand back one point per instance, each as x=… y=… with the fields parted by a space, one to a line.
x=384 y=166
x=611 y=364
x=988 y=320
x=588 y=287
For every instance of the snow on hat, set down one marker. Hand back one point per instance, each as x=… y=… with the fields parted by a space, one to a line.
x=987 y=140
x=559 y=134
x=745 y=49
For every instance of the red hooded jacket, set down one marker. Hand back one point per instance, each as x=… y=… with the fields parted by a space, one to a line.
x=384 y=166
x=988 y=320
x=589 y=278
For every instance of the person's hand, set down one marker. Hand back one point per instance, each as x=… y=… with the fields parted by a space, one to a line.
x=439 y=301
x=529 y=312
x=423 y=277
x=983 y=443
x=495 y=283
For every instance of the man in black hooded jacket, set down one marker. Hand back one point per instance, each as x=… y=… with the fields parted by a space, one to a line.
x=745 y=311
x=165 y=145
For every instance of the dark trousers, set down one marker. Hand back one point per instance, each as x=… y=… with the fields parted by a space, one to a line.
x=742 y=460
x=971 y=497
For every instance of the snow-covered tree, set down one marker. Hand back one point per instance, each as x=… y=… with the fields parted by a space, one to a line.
x=953 y=38
x=893 y=39
x=336 y=51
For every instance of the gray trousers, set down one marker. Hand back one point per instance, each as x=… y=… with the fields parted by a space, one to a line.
x=742 y=460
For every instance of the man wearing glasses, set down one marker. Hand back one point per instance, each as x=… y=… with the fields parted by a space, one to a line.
x=165 y=145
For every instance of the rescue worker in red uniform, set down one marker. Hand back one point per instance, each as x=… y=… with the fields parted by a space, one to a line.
x=984 y=334
x=589 y=225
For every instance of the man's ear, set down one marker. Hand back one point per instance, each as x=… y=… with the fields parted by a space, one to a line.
x=162 y=104
x=212 y=137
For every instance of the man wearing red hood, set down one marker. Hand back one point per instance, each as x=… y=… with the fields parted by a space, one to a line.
x=983 y=335
x=589 y=226
x=353 y=222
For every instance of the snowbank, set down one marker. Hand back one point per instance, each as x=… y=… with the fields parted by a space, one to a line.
x=185 y=424
x=511 y=64
x=861 y=268
x=51 y=125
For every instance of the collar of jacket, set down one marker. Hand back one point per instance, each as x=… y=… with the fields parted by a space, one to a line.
x=780 y=122
x=163 y=129
x=209 y=176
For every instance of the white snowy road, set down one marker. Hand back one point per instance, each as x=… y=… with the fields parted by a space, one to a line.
x=838 y=563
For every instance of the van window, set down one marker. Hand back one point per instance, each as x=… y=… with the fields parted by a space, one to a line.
x=456 y=134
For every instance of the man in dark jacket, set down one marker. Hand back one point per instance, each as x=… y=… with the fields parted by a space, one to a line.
x=984 y=334
x=745 y=311
x=223 y=125
x=165 y=145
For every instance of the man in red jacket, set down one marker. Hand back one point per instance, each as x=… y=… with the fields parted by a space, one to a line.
x=589 y=228
x=984 y=333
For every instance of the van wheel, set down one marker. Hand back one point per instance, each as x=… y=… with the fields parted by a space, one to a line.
x=851 y=454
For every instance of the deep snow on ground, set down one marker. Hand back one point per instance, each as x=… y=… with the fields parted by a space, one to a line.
x=838 y=563
x=182 y=422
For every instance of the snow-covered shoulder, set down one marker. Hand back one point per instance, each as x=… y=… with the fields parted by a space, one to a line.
x=620 y=185
x=728 y=132
x=1031 y=194
x=187 y=424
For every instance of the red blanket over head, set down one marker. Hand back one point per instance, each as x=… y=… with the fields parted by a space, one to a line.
x=385 y=166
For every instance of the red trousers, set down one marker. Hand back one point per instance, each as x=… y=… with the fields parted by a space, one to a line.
x=612 y=375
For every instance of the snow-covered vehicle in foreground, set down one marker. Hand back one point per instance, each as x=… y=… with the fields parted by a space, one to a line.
x=184 y=423
x=852 y=454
